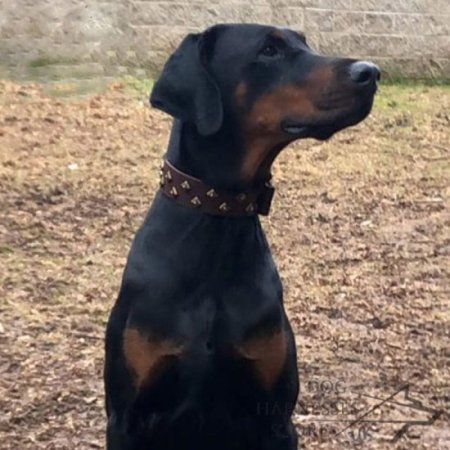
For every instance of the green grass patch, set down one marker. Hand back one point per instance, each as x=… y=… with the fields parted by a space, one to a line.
x=418 y=98
x=45 y=62
x=76 y=88
x=414 y=82
x=139 y=86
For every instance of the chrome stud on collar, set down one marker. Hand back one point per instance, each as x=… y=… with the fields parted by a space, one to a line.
x=168 y=176
x=212 y=193
x=185 y=185
x=173 y=192
x=250 y=208
x=224 y=207
x=241 y=197
x=196 y=201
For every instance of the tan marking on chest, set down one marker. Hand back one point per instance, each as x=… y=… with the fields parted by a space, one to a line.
x=145 y=356
x=268 y=356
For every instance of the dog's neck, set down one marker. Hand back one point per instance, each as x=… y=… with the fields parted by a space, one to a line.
x=202 y=176
x=213 y=159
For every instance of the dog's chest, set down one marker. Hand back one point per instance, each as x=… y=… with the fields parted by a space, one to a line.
x=241 y=328
x=202 y=311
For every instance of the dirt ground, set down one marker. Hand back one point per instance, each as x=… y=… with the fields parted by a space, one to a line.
x=359 y=229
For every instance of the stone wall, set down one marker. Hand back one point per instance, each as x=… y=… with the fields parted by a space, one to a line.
x=82 y=38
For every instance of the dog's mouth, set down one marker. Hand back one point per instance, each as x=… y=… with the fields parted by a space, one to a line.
x=328 y=121
x=294 y=127
x=297 y=130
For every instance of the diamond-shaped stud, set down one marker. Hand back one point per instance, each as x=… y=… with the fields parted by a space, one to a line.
x=212 y=193
x=241 y=197
x=196 y=201
x=250 y=208
x=185 y=185
x=168 y=176
x=224 y=207
x=173 y=192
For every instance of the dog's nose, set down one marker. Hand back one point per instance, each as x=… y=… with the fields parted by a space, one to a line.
x=362 y=72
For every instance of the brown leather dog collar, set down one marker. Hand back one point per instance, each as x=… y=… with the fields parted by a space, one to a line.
x=194 y=193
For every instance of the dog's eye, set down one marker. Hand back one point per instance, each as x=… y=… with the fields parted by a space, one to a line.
x=269 y=51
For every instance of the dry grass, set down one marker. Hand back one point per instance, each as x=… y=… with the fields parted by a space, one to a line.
x=359 y=228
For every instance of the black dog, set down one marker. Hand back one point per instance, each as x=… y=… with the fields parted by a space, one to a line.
x=199 y=351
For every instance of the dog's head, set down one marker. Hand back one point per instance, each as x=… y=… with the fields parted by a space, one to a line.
x=268 y=83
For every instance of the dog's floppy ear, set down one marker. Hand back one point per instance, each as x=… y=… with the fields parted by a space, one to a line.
x=186 y=90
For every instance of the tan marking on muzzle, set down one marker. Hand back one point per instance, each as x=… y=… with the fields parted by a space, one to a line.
x=261 y=128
